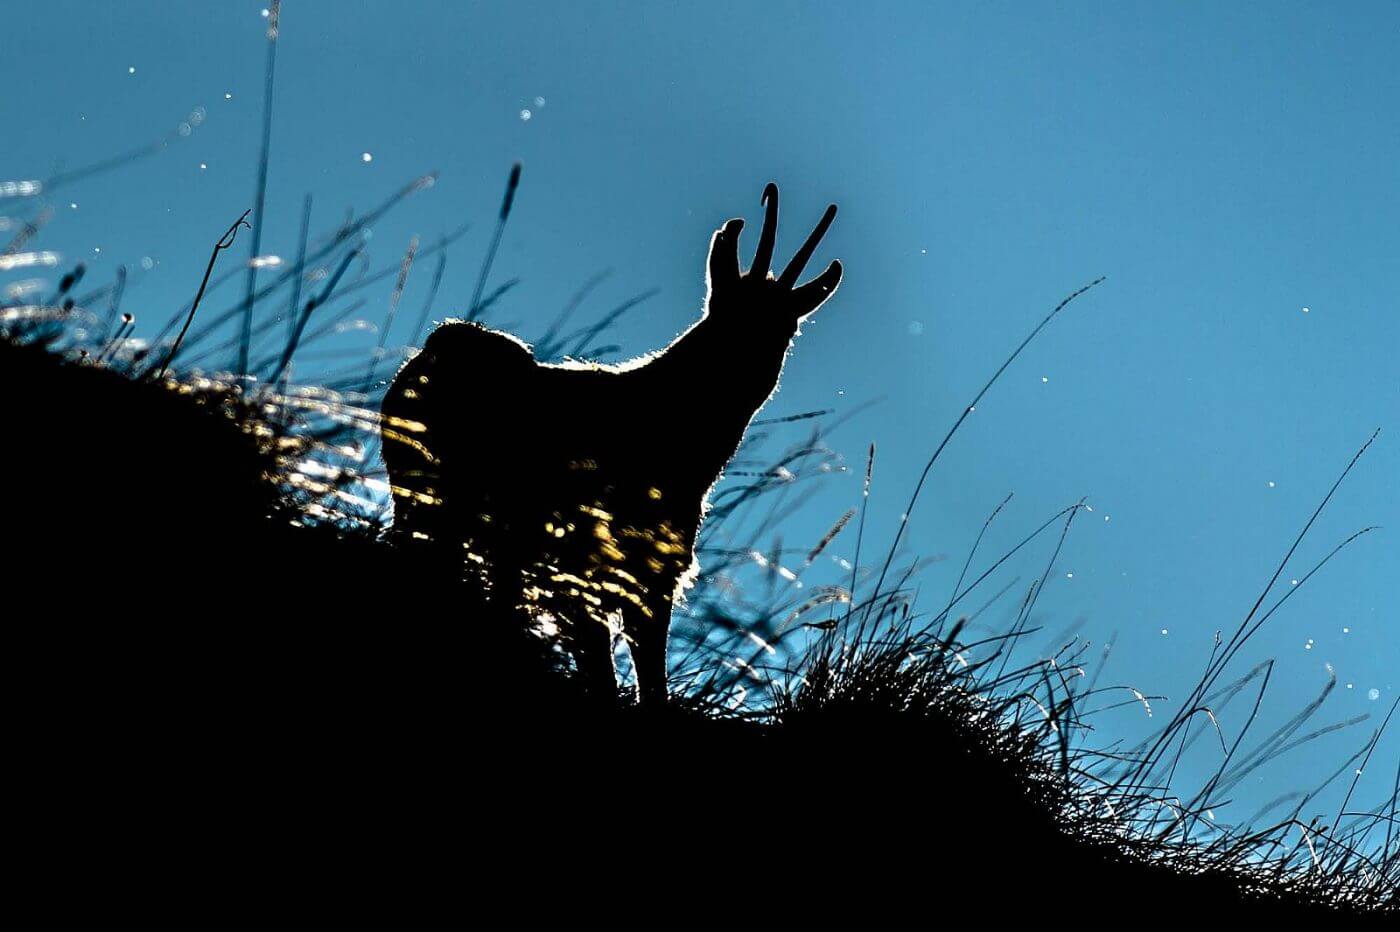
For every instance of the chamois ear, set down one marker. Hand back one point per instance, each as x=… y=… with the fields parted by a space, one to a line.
x=815 y=293
x=722 y=272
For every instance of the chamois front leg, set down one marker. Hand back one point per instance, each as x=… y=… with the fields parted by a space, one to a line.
x=647 y=642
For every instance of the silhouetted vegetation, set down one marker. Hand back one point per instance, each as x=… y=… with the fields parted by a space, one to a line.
x=217 y=615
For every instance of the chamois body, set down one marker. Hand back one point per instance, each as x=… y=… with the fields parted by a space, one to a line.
x=575 y=491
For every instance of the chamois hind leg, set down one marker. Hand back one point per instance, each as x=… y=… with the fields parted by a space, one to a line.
x=590 y=643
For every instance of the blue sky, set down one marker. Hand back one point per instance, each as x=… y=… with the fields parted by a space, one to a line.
x=1227 y=166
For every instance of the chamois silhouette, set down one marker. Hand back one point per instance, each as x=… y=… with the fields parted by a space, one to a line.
x=573 y=492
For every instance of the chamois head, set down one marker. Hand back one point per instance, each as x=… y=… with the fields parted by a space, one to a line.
x=756 y=300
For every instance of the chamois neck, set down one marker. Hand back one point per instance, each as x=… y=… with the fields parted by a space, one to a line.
x=714 y=353
x=722 y=375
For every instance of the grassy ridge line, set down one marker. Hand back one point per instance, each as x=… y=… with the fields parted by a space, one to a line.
x=1011 y=745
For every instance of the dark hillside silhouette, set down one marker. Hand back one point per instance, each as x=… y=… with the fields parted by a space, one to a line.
x=212 y=695
x=573 y=492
